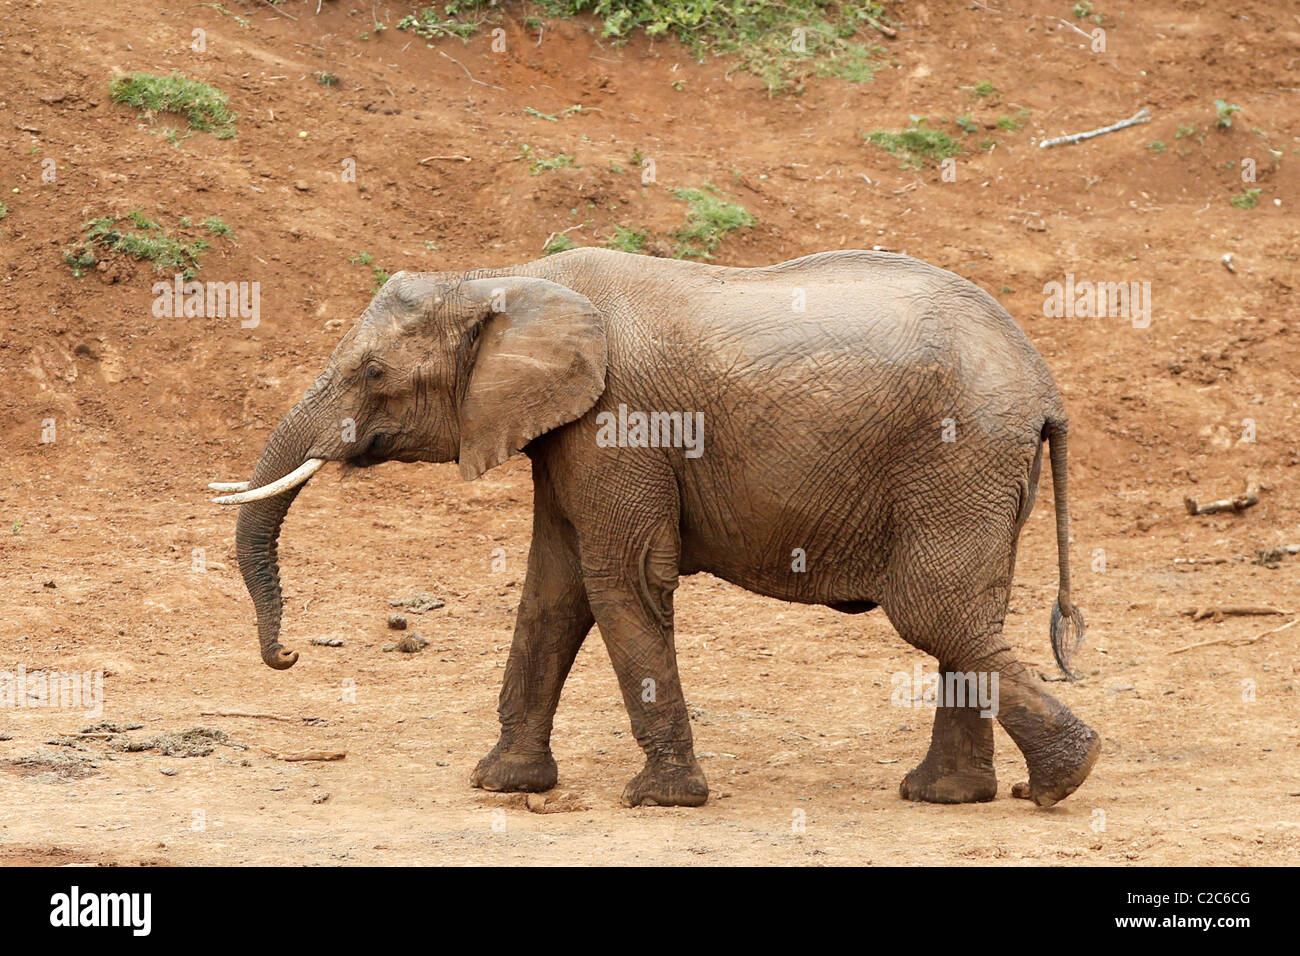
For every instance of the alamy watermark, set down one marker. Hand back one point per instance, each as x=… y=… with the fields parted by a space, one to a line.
x=181 y=299
x=1102 y=300
x=55 y=689
x=923 y=688
x=634 y=429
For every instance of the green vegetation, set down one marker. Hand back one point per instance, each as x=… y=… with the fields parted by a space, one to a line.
x=1083 y=11
x=1157 y=146
x=966 y=123
x=243 y=23
x=709 y=217
x=627 y=240
x=327 y=79
x=540 y=164
x=853 y=63
x=916 y=144
x=783 y=43
x=204 y=106
x=460 y=19
x=984 y=89
x=1013 y=123
x=558 y=243
x=1224 y=112
x=378 y=276
x=148 y=242
x=4 y=210
x=1246 y=199
x=215 y=226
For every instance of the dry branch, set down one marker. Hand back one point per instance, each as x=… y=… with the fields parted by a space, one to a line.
x=240 y=713
x=1238 y=503
x=1139 y=117
x=306 y=755
x=1237 y=642
x=1219 y=613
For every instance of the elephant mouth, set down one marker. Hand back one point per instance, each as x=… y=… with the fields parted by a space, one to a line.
x=375 y=451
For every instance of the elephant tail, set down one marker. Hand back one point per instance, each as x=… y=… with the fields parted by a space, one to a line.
x=1067 y=620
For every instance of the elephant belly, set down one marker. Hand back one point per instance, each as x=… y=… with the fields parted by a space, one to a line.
x=841 y=567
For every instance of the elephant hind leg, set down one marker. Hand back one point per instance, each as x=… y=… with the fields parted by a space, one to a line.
x=959 y=765
x=956 y=614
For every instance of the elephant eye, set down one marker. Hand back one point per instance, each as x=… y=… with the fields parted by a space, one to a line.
x=373 y=372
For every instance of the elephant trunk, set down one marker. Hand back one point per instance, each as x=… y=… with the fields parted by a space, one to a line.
x=257 y=533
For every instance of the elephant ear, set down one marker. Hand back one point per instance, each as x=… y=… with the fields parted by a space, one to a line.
x=540 y=364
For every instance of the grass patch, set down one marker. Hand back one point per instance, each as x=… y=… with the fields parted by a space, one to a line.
x=1246 y=199
x=783 y=43
x=1014 y=122
x=709 y=218
x=540 y=164
x=917 y=144
x=148 y=241
x=215 y=226
x=627 y=240
x=378 y=275
x=204 y=106
x=560 y=243
x=459 y=19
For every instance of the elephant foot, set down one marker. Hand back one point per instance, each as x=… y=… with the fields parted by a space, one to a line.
x=929 y=784
x=959 y=765
x=667 y=785
x=1056 y=778
x=502 y=771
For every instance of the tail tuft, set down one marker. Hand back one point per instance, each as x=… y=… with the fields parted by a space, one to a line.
x=1067 y=635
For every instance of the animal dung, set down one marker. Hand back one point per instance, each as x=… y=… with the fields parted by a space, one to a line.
x=409 y=644
x=419 y=603
x=397 y=622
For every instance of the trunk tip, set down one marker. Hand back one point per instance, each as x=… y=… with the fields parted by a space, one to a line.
x=279 y=657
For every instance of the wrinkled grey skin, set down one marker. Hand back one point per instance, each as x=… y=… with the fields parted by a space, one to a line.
x=824 y=434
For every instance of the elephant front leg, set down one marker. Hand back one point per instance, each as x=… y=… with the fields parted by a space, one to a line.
x=553 y=620
x=633 y=604
x=959 y=765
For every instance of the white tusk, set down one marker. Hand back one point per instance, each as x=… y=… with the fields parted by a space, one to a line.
x=277 y=487
x=228 y=485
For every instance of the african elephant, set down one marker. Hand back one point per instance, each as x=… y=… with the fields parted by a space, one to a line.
x=879 y=419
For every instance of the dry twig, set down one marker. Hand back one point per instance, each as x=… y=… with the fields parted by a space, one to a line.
x=1237 y=642
x=1139 y=117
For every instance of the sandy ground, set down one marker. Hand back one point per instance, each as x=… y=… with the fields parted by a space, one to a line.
x=791 y=705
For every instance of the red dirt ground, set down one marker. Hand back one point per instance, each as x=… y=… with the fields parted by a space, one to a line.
x=791 y=705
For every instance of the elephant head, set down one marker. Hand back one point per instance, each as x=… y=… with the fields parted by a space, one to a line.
x=436 y=369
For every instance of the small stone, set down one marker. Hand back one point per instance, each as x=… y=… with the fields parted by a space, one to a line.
x=320 y=798
x=327 y=641
x=397 y=622
x=168 y=771
x=536 y=802
x=301 y=185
